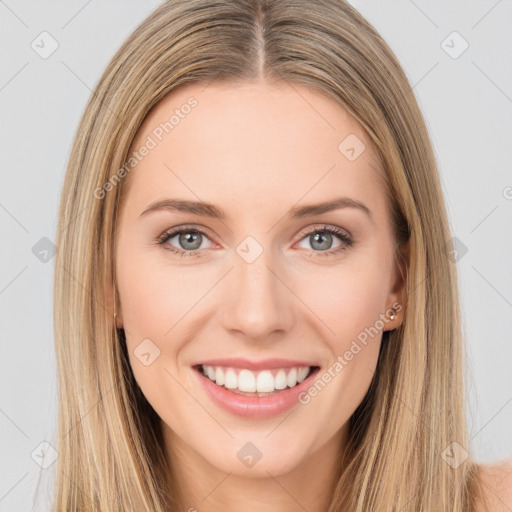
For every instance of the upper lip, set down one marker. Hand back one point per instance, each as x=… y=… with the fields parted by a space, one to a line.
x=264 y=364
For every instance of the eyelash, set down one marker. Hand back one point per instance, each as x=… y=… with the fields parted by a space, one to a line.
x=346 y=240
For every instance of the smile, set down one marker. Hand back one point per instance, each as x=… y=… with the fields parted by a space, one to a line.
x=251 y=382
x=255 y=393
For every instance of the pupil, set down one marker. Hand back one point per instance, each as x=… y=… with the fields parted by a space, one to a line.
x=190 y=238
x=325 y=236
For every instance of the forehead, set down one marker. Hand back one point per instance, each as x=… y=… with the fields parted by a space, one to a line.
x=249 y=144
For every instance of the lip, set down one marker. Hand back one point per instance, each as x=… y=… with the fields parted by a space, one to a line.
x=255 y=407
x=264 y=364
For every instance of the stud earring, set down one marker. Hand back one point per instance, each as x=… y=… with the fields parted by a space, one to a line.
x=393 y=315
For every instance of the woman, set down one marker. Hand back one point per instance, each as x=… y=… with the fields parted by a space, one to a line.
x=304 y=352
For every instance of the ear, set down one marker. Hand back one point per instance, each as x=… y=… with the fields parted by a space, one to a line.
x=398 y=294
x=111 y=294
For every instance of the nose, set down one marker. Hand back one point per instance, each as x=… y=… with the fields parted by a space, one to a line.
x=259 y=304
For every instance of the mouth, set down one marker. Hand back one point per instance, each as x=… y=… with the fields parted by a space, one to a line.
x=256 y=383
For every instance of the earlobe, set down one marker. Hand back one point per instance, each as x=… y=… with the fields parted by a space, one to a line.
x=118 y=318
x=398 y=292
x=112 y=305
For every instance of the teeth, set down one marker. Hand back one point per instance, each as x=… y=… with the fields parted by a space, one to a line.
x=247 y=381
x=302 y=374
x=265 y=382
x=219 y=376
x=291 y=378
x=231 y=381
x=280 y=380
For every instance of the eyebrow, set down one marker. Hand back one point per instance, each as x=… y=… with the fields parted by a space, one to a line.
x=210 y=210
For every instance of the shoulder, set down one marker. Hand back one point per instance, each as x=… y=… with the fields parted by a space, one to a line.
x=496 y=487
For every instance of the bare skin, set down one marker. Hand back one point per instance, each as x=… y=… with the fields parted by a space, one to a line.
x=255 y=151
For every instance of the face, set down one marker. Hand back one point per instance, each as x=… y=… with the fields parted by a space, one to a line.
x=257 y=283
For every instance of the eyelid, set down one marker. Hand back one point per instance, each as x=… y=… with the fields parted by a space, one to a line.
x=324 y=227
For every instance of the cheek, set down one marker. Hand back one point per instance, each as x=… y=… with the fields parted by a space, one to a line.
x=155 y=296
x=348 y=299
x=155 y=300
x=350 y=304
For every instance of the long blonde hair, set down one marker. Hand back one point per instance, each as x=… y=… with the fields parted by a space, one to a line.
x=109 y=437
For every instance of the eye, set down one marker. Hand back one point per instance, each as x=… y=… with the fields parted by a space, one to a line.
x=321 y=240
x=189 y=240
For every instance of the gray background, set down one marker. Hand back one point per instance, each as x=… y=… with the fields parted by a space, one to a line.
x=467 y=102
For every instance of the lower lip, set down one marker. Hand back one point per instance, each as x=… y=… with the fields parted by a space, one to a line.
x=255 y=407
